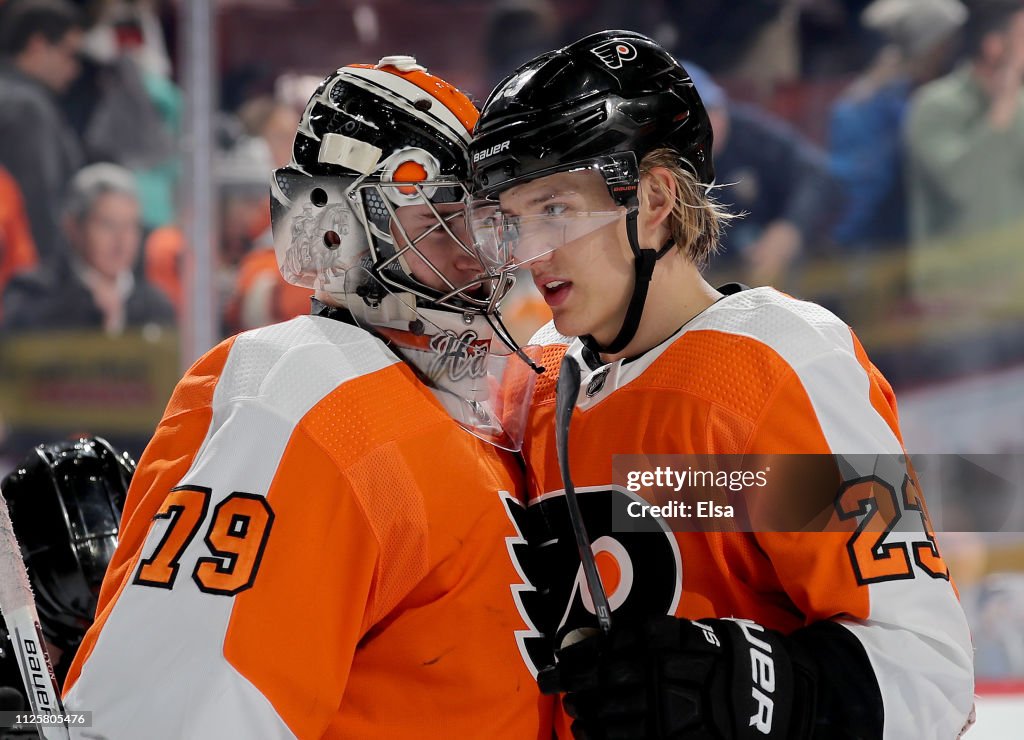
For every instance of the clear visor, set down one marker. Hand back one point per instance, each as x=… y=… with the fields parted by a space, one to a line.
x=477 y=378
x=532 y=219
x=506 y=242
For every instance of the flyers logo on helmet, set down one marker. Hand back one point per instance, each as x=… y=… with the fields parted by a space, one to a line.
x=636 y=567
x=613 y=53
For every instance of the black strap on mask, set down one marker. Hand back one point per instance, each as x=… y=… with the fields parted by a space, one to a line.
x=643 y=268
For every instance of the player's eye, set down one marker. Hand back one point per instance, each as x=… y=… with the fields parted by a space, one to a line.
x=555 y=209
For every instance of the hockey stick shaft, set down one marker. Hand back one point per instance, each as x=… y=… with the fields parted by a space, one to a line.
x=19 y=610
x=566 y=392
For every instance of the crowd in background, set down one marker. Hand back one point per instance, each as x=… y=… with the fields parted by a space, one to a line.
x=875 y=148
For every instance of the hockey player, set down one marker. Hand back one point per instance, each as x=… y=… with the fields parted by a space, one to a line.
x=592 y=168
x=65 y=501
x=313 y=546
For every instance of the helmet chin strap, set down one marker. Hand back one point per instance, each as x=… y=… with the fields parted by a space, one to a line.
x=644 y=261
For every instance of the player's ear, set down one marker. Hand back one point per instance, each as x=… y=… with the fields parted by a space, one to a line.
x=658 y=195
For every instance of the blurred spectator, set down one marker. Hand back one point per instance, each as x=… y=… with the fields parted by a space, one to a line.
x=125 y=106
x=39 y=45
x=998 y=622
x=775 y=176
x=517 y=31
x=261 y=296
x=772 y=58
x=242 y=171
x=96 y=287
x=866 y=136
x=965 y=132
x=258 y=294
x=592 y=16
x=275 y=122
x=722 y=34
x=163 y=263
x=131 y=28
x=17 y=251
x=965 y=185
x=832 y=43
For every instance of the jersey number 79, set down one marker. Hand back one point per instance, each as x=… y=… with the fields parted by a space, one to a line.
x=236 y=538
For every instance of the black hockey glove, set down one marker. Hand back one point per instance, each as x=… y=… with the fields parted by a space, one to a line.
x=676 y=679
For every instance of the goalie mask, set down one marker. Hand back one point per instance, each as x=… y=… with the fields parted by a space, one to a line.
x=376 y=181
x=372 y=212
x=65 y=501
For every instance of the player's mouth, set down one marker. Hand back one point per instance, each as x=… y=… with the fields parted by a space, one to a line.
x=555 y=291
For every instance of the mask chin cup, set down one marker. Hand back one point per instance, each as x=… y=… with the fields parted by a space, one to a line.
x=506 y=242
x=473 y=375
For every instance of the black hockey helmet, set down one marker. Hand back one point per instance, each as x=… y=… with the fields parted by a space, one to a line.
x=602 y=102
x=65 y=501
x=607 y=99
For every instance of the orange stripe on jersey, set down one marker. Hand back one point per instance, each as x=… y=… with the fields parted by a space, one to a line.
x=167 y=458
x=450 y=96
x=883 y=400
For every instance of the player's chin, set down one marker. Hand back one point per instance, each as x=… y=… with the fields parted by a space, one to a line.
x=569 y=323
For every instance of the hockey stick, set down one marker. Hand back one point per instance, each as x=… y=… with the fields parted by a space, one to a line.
x=567 y=390
x=19 y=610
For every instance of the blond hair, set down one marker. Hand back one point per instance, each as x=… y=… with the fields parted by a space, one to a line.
x=697 y=219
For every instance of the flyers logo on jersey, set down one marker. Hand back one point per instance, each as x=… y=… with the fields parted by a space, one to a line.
x=641 y=570
x=613 y=53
